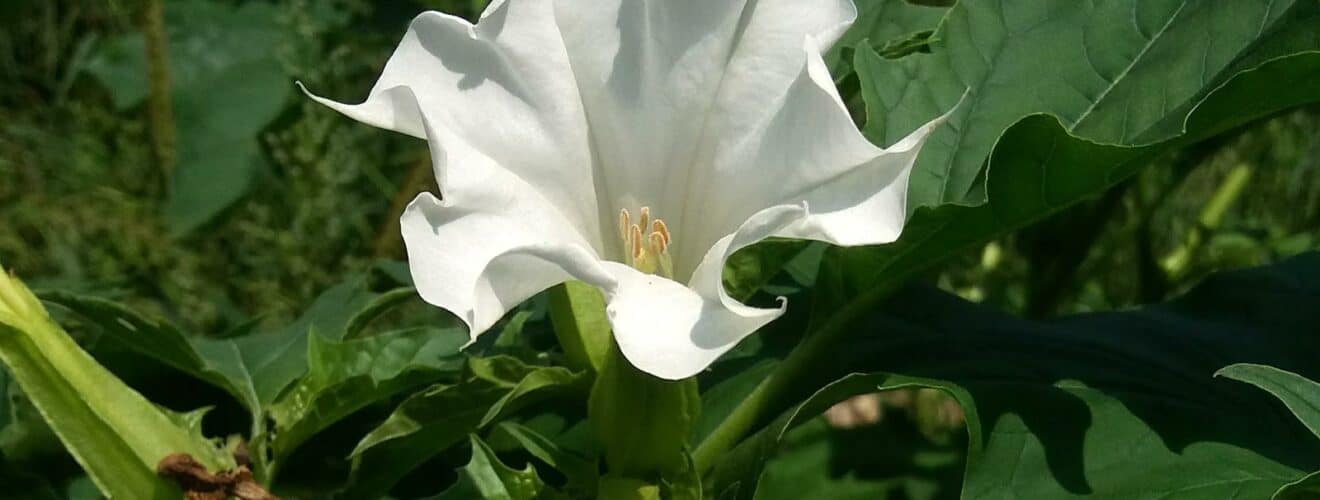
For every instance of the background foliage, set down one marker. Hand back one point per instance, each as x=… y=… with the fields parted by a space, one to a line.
x=278 y=217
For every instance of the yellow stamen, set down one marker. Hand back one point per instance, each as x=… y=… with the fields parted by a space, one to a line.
x=635 y=239
x=646 y=243
x=625 y=219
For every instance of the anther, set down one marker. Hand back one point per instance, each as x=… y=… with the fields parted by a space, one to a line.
x=625 y=219
x=635 y=237
x=659 y=227
x=658 y=244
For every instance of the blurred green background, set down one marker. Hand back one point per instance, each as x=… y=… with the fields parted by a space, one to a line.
x=259 y=199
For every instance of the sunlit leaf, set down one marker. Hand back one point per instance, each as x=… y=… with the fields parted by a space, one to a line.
x=113 y=432
x=1111 y=72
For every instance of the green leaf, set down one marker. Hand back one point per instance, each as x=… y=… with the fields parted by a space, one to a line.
x=1114 y=405
x=254 y=369
x=880 y=22
x=1111 y=72
x=1299 y=394
x=582 y=474
x=376 y=308
x=227 y=85
x=113 y=432
x=344 y=377
x=487 y=478
x=1301 y=489
x=162 y=342
x=434 y=419
x=1038 y=168
x=887 y=460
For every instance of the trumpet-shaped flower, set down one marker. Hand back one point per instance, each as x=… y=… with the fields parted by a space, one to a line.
x=633 y=145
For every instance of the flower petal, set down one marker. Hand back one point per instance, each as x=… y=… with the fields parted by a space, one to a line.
x=491 y=245
x=809 y=151
x=503 y=89
x=674 y=331
x=661 y=79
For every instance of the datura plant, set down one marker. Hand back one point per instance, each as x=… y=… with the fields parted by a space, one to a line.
x=628 y=191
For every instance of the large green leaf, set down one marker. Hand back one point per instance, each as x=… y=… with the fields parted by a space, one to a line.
x=1038 y=168
x=434 y=419
x=114 y=433
x=1301 y=396
x=1112 y=72
x=227 y=85
x=1114 y=405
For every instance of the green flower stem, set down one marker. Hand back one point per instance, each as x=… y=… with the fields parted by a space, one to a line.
x=767 y=398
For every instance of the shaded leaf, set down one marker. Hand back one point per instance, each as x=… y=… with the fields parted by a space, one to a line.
x=486 y=477
x=1299 y=394
x=582 y=474
x=344 y=377
x=1114 y=405
x=434 y=419
x=751 y=268
x=227 y=85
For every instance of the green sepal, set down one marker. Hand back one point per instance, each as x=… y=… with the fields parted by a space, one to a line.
x=642 y=422
x=577 y=311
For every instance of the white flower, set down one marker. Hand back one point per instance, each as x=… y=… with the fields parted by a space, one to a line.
x=633 y=145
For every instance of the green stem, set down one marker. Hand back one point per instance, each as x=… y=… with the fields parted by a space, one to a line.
x=1212 y=215
x=766 y=397
x=160 y=106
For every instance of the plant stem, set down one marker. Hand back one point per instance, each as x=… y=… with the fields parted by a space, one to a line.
x=798 y=365
x=1212 y=215
x=160 y=104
